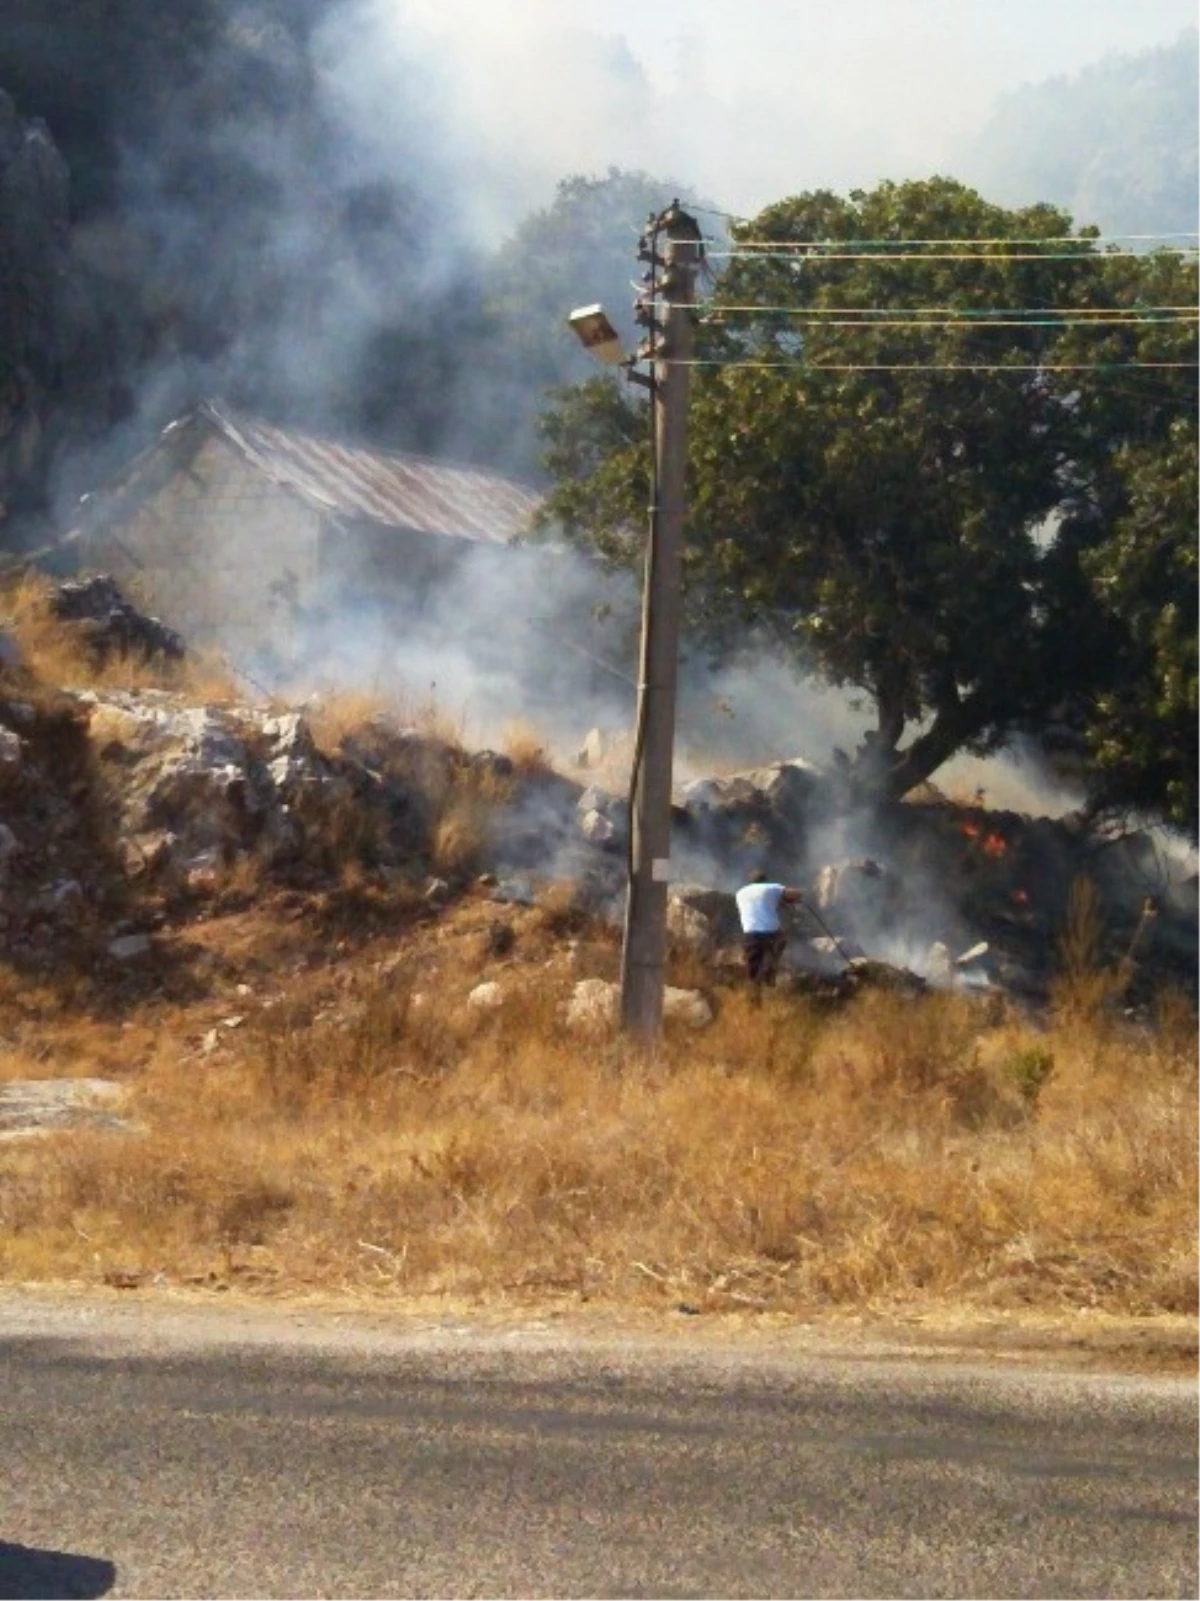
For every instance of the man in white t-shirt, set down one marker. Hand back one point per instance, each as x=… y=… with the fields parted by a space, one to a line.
x=758 y=904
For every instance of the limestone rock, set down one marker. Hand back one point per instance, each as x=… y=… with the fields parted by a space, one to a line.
x=596 y=828
x=687 y=1007
x=688 y=926
x=40 y=1106
x=488 y=997
x=591 y=752
x=595 y=1006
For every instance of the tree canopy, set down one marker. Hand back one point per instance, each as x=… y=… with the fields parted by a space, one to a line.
x=921 y=466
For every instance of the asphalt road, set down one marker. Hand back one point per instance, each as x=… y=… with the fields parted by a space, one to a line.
x=137 y=1460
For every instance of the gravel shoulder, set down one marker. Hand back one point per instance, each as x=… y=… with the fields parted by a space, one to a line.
x=168 y=1320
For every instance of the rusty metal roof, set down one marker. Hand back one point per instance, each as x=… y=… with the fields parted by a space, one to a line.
x=383 y=486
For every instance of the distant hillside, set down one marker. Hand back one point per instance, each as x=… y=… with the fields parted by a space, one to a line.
x=1116 y=144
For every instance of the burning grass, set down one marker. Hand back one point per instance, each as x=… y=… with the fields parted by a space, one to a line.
x=787 y=1158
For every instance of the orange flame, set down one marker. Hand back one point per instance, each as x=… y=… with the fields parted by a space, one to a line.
x=992 y=843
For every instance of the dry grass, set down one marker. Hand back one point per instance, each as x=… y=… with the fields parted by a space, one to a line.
x=56 y=652
x=339 y=714
x=526 y=749
x=783 y=1159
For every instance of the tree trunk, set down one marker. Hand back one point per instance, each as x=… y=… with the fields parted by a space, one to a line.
x=884 y=772
x=950 y=730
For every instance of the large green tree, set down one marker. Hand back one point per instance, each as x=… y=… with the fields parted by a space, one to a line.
x=901 y=456
x=1143 y=724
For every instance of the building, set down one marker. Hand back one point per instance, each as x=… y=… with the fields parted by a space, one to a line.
x=232 y=529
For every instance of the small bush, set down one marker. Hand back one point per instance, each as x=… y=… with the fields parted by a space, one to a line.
x=1029 y=1068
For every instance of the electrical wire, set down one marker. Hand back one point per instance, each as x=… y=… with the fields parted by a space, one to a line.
x=983 y=327
x=966 y=239
x=1102 y=315
x=935 y=366
x=820 y=253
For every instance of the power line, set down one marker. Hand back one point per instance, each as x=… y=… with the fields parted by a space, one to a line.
x=935 y=366
x=820 y=253
x=1060 y=314
x=974 y=326
x=963 y=239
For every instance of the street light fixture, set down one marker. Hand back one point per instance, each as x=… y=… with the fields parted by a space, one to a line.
x=597 y=335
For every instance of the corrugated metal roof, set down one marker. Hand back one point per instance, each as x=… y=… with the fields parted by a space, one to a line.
x=386 y=487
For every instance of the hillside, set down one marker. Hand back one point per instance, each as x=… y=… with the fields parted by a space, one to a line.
x=1116 y=144
x=317 y=1001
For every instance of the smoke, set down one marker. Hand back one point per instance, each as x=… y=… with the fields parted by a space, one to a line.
x=309 y=223
x=510 y=639
x=751 y=101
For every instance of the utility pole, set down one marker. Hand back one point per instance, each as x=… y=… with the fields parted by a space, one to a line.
x=643 y=958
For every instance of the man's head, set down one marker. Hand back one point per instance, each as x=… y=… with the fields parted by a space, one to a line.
x=758 y=878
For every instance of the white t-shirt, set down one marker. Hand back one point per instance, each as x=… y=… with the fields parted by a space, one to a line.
x=758 y=907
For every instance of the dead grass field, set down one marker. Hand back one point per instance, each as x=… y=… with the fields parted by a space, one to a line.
x=359 y=1129
x=362 y=1131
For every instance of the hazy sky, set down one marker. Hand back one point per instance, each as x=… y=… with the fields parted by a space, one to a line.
x=750 y=100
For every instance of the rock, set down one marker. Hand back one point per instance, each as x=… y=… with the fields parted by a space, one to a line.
x=128 y=947
x=596 y=828
x=716 y=906
x=487 y=997
x=18 y=712
x=289 y=735
x=64 y=895
x=938 y=966
x=687 y=1007
x=882 y=975
x=688 y=926
x=492 y=763
x=596 y=799
x=824 y=954
x=147 y=852
x=11 y=752
x=862 y=894
x=595 y=1005
x=591 y=752
x=221 y=781
x=514 y=892
x=109 y=623
x=39 y=1106
x=787 y=786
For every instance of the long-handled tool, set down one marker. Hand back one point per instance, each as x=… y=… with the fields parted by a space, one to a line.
x=826 y=930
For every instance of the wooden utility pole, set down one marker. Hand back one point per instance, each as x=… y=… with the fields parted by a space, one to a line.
x=643 y=957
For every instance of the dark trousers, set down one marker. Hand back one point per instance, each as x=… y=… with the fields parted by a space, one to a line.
x=763 y=952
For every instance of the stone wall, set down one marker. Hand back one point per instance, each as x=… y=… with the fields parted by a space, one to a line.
x=225 y=556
